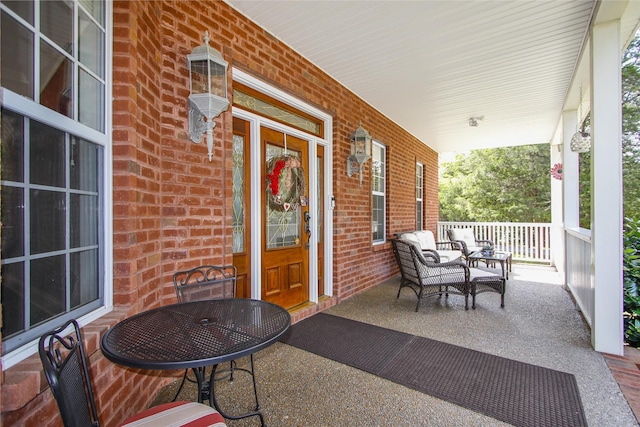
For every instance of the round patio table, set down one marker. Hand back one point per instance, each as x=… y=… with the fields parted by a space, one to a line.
x=196 y=335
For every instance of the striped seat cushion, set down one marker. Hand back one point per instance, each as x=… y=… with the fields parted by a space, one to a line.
x=190 y=414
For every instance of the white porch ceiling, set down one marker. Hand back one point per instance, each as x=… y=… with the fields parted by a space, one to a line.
x=431 y=65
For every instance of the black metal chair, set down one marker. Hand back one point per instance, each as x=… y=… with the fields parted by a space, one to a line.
x=211 y=282
x=65 y=366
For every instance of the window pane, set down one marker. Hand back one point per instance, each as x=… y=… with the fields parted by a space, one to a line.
x=56 y=22
x=47 y=288
x=12 y=222
x=12 y=299
x=56 y=77
x=23 y=8
x=378 y=218
x=17 y=57
x=46 y=155
x=12 y=147
x=84 y=220
x=95 y=8
x=85 y=280
x=91 y=45
x=91 y=101
x=83 y=164
x=47 y=221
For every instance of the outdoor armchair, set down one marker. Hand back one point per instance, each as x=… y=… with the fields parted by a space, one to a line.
x=428 y=277
x=466 y=239
x=66 y=369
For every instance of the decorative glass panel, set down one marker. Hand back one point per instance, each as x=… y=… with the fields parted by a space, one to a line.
x=239 y=227
x=273 y=111
x=320 y=195
x=283 y=225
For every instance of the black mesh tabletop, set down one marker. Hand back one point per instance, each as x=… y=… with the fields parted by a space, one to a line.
x=195 y=334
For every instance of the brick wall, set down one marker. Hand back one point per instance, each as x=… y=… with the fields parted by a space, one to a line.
x=172 y=207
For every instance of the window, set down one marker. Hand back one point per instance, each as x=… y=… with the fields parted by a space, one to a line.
x=54 y=138
x=378 y=191
x=419 y=193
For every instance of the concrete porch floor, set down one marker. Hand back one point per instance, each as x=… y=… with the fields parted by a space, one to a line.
x=539 y=325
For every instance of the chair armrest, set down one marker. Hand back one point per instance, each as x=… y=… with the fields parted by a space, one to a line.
x=462 y=246
x=430 y=254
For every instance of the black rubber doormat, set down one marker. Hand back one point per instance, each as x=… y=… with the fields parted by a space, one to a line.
x=507 y=390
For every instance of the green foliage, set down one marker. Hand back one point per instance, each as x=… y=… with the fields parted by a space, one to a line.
x=631 y=128
x=631 y=268
x=499 y=184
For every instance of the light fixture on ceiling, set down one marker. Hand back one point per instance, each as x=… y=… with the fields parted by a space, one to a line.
x=581 y=140
x=473 y=121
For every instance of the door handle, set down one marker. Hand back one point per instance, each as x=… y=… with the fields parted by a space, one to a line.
x=307 y=227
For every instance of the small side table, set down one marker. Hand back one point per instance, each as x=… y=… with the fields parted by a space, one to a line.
x=501 y=257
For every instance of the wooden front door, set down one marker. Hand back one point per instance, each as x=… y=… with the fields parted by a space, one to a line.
x=285 y=218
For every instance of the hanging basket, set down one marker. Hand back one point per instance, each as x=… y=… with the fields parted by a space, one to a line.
x=285 y=183
x=556 y=171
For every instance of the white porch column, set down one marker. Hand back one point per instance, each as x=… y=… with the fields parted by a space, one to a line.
x=571 y=171
x=606 y=188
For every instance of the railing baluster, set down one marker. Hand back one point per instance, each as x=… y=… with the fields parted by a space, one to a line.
x=526 y=241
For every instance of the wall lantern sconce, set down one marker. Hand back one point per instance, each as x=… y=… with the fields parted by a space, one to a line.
x=360 y=151
x=207 y=91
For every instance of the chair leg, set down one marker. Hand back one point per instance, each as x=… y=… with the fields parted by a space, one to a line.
x=214 y=403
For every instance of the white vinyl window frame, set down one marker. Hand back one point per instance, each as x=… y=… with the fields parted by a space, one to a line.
x=419 y=196
x=378 y=192
x=71 y=126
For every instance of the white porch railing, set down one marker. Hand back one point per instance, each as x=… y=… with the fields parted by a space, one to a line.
x=530 y=242
x=578 y=248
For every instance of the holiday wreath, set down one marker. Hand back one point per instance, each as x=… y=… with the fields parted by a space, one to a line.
x=285 y=182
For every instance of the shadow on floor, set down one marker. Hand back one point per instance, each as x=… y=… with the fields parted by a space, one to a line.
x=539 y=325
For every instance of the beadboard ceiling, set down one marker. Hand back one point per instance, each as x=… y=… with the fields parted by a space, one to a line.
x=431 y=65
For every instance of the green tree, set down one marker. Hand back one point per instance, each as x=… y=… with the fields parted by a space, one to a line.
x=630 y=128
x=501 y=184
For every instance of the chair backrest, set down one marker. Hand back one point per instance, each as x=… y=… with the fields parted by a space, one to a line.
x=65 y=367
x=462 y=234
x=403 y=252
x=206 y=282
